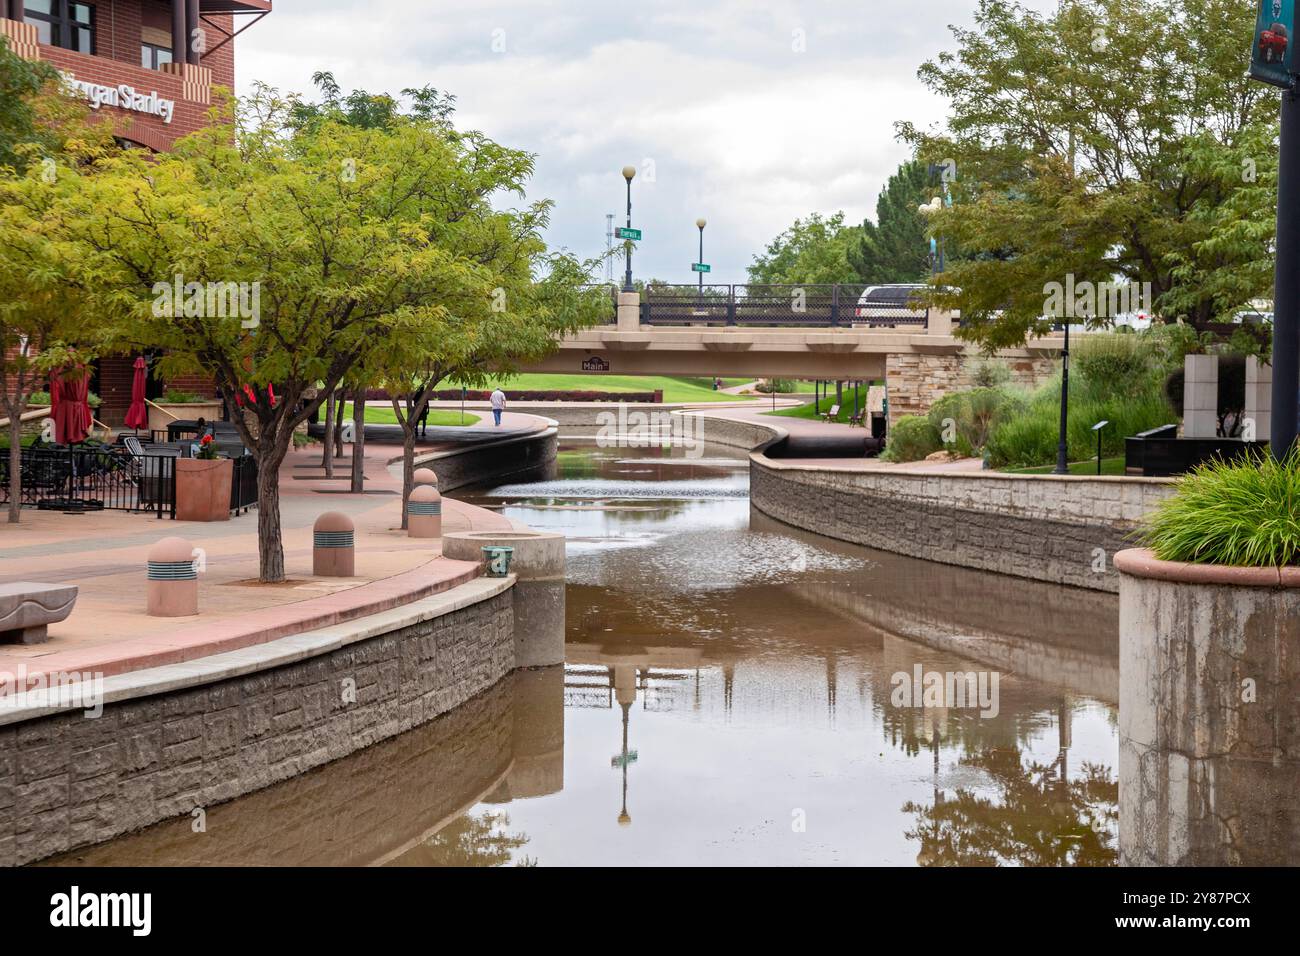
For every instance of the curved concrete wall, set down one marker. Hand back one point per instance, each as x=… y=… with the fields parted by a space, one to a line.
x=522 y=458
x=1062 y=530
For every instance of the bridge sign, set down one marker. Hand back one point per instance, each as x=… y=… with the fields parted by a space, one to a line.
x=595 y=364
x=701 y=267
x=626 y=232
x=1271 y=56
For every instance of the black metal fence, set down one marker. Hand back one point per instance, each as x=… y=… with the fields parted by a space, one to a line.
x=108 y=477
x=784 y=306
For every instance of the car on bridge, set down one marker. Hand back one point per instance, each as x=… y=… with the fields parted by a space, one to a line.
x=889 y=305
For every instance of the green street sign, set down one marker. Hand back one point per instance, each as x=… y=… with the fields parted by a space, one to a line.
x=624 y=232
x=1271 y=56
x=701 y=267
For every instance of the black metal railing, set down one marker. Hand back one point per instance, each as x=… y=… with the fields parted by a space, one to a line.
x=784 y=306
x=95 y=478
x=111 y=478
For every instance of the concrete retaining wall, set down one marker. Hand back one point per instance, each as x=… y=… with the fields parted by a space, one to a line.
x=1062 y=530
x=1209 y=761
x=68 y=780
x=523 y=458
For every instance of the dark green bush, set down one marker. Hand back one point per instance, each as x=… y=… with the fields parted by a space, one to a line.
x=911 y=439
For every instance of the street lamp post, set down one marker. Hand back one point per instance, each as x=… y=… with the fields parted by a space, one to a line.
x=1063 y=466
x=700 y=224
x=628 y=173
x=1286 y=283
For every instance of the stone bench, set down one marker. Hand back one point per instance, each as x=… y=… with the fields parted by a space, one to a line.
x=27 y=609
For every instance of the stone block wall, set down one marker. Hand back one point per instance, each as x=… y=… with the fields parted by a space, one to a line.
x=68 y=781
x=1062 y=530
x=917 y=380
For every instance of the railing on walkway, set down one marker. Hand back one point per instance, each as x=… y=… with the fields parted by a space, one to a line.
x=109 y=477
x=784 y=306
x=95 y=478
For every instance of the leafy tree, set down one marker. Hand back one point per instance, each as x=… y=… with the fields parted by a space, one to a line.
x=813 y=250
x=1108 y=138
x=47 y=148
x=368 y=110
x=895 y=248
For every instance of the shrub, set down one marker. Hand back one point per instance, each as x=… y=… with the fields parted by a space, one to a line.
x=990 y=373
x=1122 y=362
x=911 y=439
x=778 y=385
x=1245 y=513
x=175 y=396
x=38 y=399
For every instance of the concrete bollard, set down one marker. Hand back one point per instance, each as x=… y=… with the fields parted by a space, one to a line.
x=173 y=588
x=333 y=546
x=424 y=513
x=425 y=476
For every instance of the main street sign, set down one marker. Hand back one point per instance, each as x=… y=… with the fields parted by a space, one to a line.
x=595 y=364
x=701 y=267
x=626 y=232
x=1271 y=57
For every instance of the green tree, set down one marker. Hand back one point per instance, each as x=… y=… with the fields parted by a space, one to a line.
x=896 y=247
x=813 y=250
x=48 y=147
x=1107 y=139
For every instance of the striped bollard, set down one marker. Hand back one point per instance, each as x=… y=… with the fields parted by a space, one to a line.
x=333 y=546
x=424 y=513
x=173 y=587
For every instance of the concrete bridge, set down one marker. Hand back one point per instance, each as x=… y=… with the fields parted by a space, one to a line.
x=823 y=335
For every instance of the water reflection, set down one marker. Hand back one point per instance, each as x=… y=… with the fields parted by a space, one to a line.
x=727 y=699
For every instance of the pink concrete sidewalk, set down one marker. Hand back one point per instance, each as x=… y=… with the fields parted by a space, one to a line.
x=105 y=553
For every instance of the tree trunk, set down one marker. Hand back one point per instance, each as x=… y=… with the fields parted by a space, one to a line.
x=270 y=547
x=338 y=426
x=408 y=462
x=327 y=459
x=359 y=441
x=15 y=464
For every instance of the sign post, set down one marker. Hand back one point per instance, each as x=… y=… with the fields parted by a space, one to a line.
x=701 y=267
x=1272 y=60
x=627 y=232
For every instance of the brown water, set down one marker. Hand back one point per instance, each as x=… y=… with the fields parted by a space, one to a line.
x=726 y=700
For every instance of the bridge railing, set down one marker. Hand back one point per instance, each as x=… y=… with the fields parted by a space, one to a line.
x=783 y=306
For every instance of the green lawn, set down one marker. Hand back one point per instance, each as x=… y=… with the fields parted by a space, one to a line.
x=806 y=411
x=1109 y=466
x=675 y=389
x=384 y=415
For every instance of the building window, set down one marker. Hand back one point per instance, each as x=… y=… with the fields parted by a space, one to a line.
x=153 y=56
x=63 y=23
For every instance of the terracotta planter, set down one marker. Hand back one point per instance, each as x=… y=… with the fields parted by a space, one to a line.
x=203 y=489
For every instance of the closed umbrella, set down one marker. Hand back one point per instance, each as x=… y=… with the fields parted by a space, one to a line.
x=58 y=409
x=137 y=416
x=80 y=418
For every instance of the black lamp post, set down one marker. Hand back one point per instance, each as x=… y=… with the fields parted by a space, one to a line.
x=1286 y=283
x=1063 y=466
x=700 y=224
x=628 y=173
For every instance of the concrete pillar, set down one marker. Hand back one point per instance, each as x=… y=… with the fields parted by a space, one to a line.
x=173 y=579
x=16 y=11
x=938 y=322
x=424 y=513
x=179 y=39
x=1201 y=396
x=333 y=546
x=538 y=566
x=629 y=311
x=1259 y=399
x=192 y=23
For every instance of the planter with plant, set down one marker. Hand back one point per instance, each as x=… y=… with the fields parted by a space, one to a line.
x=176 y=405
x=203 y=485
x=1210 y=669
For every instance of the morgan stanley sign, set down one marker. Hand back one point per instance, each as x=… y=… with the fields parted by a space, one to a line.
x=124 y=97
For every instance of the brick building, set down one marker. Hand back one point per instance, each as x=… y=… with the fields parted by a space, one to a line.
x=154 y=65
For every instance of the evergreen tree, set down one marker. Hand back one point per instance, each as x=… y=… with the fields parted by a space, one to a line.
x=895 y=248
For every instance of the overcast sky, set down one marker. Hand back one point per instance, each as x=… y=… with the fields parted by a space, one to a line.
x=746 y=112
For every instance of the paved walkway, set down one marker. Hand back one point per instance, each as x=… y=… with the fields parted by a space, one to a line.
x=105 y=552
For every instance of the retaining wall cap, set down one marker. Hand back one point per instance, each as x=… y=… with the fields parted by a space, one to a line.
x=333 y=521
x=172 y=549
x=425 y=493
x=1142 y=563
x=425 y=476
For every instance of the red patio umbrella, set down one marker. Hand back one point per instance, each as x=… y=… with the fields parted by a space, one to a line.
x=137 y=416
x=58 y=409
x=72 y=417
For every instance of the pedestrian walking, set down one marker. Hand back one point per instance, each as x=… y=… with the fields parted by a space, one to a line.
x=498 y=404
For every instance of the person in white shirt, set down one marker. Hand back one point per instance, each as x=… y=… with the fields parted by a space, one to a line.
x=498 y=404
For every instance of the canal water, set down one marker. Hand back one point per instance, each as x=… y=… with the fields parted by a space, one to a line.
x=735 y=692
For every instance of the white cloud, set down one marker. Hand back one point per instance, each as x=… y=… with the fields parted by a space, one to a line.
x=740 y=127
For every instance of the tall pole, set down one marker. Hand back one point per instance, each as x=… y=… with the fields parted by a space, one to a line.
x=701 y=223
x=628 y=173
x=1063 y=466
x=1286 y=283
